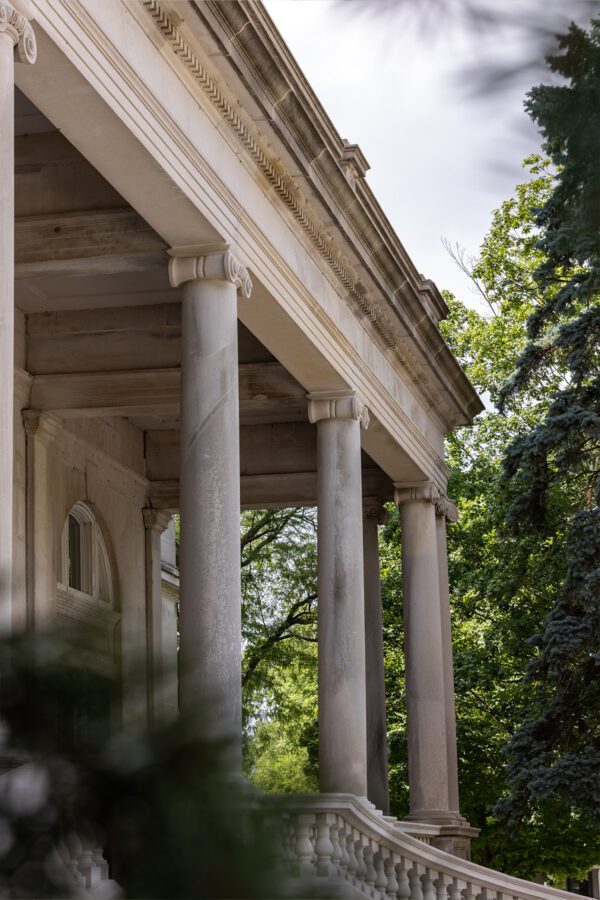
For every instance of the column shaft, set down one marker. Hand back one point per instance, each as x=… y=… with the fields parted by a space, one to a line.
x=16 y=36
x=453 y=795
x=425 y=686
x=7 y=217
x=377 y=756
x=342 y=693
x=210 y=616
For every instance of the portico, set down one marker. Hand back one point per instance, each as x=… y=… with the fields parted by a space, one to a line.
x=211 y=312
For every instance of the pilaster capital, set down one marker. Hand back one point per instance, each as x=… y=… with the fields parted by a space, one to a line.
x=204 y=263
x=426 y=492
x=156 y=519
x=374 y=509
x=14 y=24
x=40 y=426
x=336 y=405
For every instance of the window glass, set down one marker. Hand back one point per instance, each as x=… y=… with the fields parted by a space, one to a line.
x=75 y=551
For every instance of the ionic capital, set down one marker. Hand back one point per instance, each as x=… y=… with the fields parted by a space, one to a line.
x=447 y=508
x=336 y=405
x=423 y=492
x=156 y=519
x=15 y=25
x=191 y=264
x=426 y=492
x=373 y=508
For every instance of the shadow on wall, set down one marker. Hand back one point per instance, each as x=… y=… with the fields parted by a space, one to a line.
x=87 y=809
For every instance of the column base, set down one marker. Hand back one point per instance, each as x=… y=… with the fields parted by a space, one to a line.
x=444 y=829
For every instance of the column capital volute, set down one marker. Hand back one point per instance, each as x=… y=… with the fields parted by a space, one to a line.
x=14 y=24
x=156 y=519
x=336 y=405
x=374 y=509
x=426 y=492
x=208 y=262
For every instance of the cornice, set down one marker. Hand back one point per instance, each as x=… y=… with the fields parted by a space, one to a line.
x=15 y=25
x=374 y=231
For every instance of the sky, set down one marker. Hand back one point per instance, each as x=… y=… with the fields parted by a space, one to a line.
x=441 y=159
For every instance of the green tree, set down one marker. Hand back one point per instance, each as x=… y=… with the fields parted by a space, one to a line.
x=555 y=755
x=279 y=669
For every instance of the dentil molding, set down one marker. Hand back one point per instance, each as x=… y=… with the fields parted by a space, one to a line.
x=220 y=266
x=336 y=405
x=16 y=26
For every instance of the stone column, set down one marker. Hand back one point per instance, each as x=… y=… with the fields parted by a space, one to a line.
x=446 y=510
x=210 y=617
x=341 y=617
x=155 y=522
x=16 y=39
x=425 y=683
x=377 y=756
x=428 y=653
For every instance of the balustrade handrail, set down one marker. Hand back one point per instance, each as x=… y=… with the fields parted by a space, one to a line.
x=386 y=836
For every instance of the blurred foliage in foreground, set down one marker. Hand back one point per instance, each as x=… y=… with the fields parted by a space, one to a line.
x=171 y=821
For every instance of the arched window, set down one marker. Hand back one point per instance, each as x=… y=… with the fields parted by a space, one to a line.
x=84 y=567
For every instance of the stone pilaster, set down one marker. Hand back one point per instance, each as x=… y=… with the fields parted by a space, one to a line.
x=341 y=622
x=17 y=41
x=374 y=515
x=210 y=606
x=41 y=575
x=155 y=522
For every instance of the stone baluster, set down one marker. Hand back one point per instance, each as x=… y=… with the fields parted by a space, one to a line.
x=361 y=866
x=370 y=871
x=381 y=879
x=416 y=888
x=343 y=841
x=336 y=856
x=428 y=888
x=324 y=848
x=454 y=892
x=341 y=624
x=303 y=847
x=210 y=617
x=441 y=887
x=391 y=873
x=352 y=857
x=404 y=889
x=17 y=41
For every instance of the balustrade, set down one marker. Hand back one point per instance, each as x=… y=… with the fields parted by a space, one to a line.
x=329 y=842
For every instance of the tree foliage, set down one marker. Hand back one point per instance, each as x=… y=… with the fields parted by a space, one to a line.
x=555 y=464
